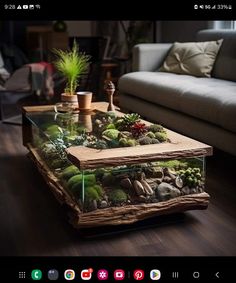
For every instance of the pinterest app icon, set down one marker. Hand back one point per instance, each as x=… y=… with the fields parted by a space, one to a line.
x=138 y=274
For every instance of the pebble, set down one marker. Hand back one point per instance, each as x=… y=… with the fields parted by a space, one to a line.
x=166 y=191
x=103 y=204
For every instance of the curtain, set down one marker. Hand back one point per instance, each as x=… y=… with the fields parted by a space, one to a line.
x=222 y=25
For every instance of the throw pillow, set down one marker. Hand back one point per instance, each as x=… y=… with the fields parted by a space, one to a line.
x=192 y=58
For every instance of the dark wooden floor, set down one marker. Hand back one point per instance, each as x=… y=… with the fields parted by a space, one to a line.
x=33 y=223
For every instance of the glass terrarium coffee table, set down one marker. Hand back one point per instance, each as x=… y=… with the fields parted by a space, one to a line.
x=111 y=168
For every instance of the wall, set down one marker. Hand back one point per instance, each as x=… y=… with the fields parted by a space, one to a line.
x=179 y=30
x=79 y=28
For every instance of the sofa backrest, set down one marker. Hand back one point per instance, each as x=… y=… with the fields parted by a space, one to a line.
x=225 y=64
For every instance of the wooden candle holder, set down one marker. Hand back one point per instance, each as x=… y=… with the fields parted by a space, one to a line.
x=110 y=89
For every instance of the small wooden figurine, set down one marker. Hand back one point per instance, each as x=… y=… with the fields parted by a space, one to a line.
x=110 y=89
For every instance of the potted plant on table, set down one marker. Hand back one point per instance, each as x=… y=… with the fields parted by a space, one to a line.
x=72 y=65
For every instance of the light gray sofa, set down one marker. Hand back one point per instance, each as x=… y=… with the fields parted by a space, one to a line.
x=201 y=108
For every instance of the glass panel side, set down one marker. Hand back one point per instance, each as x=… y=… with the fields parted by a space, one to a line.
x=120 y=186
x=98 y=129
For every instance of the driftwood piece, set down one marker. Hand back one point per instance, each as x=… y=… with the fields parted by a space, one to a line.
x=132 y=213
x=87 y=158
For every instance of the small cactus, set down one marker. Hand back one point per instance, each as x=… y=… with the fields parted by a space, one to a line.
x=191 y=176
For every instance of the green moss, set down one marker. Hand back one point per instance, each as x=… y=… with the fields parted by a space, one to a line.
x=154 y=141
x=69 y=172
x=123 y=142
x=161 y=136
x=176 y=164
x=74 y=180
x=100 y=172
x=56 y=163
x=98 y=189
x=108 y=179
x=89 y=179
x=53 y=131
x=131 y=142
x=150 y=135
x=75 y=183
x=91 y=194
x=118 y=196
x=156 y=128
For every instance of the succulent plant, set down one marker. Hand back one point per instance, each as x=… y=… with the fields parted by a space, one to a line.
x=145 y=140
x=111 y=134
x=138 y=129
x=110 y=126
x=191 y=176
x=130 y=119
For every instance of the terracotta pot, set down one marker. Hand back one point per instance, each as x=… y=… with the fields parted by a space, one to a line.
x=84 y=100
x=69 y=98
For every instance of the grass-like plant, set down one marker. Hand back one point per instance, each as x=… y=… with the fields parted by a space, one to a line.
x=71 y=64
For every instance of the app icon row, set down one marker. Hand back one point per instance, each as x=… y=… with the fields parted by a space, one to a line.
x=87 y=274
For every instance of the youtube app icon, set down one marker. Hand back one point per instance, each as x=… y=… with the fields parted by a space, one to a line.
x=86 y=274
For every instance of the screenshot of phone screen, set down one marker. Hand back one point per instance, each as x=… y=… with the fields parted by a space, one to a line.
x=117 y=141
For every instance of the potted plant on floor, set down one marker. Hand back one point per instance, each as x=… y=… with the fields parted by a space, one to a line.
x=72 y=65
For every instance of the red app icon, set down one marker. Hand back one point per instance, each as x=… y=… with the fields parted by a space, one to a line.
x=119 y=274
x=138 y=274
x=86 y=274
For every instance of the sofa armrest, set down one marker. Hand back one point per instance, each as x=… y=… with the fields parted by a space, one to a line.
x=149 y=57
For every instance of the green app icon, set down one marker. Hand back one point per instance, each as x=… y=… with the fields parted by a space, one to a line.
x=36 y=274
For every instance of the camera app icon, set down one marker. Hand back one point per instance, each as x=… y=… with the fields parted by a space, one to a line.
x=119 y=274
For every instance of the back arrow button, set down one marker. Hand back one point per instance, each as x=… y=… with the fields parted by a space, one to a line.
x=217 y=275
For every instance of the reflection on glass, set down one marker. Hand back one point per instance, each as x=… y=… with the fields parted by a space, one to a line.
x=64 y=107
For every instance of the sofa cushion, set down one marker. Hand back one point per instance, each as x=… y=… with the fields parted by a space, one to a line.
x=209 y=99
x=225 y=64
x=192 y=58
